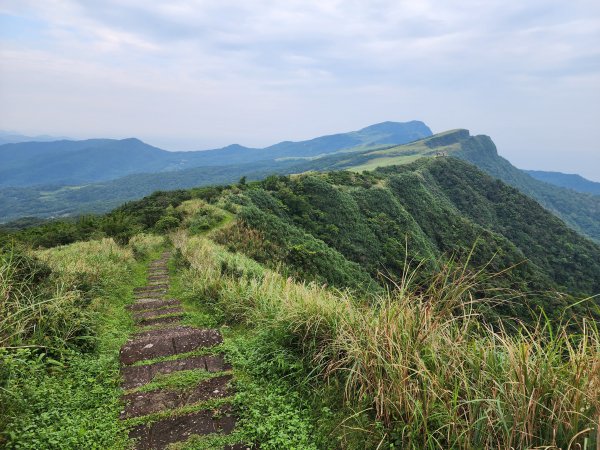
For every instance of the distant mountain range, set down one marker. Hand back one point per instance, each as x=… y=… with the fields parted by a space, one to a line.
x=567 y=180
x=8 y=137
x=84 y=176
x=80 y=162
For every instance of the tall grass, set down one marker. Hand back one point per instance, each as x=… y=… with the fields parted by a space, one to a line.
x=34 y=311
x=423 y=364
x=62 y=321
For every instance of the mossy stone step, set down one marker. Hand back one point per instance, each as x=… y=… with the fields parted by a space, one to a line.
x=172 y=341
x=160 y=434
x=154 y=280
x=154 y=313
x=137 y=376
x=150 y=294
x=150 y=304
x=151 y=288
x=143 y=403
x=161 y=320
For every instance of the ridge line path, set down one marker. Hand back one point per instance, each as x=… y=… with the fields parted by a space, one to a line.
x=162 y=347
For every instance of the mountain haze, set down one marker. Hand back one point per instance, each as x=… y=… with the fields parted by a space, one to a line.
x=80 y=162
x=567 y=180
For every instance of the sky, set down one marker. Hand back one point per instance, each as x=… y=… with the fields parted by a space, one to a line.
x=198 y=74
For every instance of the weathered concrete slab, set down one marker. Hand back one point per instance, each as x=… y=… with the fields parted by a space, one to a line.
x=216 y=363
x=159 y=435
x=162 y=320
x=144 y=403
x=136 y=376
x=151 y=288
x=157 y=343
x=154 y=313
x=150 y=304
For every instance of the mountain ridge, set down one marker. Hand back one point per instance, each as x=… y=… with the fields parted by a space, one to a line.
x=572 y=181
x=95 y=160
x=580 y=211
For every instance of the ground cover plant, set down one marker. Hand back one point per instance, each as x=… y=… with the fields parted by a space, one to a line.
x=62 y=323
x=417 y=369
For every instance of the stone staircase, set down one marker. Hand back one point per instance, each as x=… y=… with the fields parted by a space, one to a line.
x=163 y=346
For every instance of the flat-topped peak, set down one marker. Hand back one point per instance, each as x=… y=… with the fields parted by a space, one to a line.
x=447 y=138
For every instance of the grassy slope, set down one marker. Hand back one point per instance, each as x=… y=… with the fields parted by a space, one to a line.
x=320 y=369
x=54 y=392
x=579 y=210
x=339 y=227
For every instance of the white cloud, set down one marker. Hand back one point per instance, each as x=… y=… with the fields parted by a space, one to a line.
x=209 y=72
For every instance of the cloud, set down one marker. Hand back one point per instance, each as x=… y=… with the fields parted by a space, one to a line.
x=260 y=71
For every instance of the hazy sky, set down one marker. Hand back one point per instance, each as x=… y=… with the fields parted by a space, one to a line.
x=196 y=74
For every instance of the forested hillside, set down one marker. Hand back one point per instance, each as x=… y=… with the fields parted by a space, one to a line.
x=580 y=211
x=398 y=308
x=357 y=229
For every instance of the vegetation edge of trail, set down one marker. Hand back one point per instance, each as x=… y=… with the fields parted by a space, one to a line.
x=413 y=371
x=60 y=388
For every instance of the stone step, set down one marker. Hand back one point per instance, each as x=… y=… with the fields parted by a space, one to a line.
x=143 y=403
x=154 y=313
x=140 y=300
x=150 y=292
x=136 y=376
x=172 y=341
x=160 y=434
x=157 y=279
x=152 y=283
x=151 y=288
x=151 y=304
x=163 y=320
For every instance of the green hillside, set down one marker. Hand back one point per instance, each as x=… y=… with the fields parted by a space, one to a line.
x=580 y=211
x=421 y=305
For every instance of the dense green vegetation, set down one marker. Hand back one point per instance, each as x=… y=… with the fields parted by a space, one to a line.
x=416 y=306
x=62 y=321
x=578 y=210
x=409 y=369
x=350 y=230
